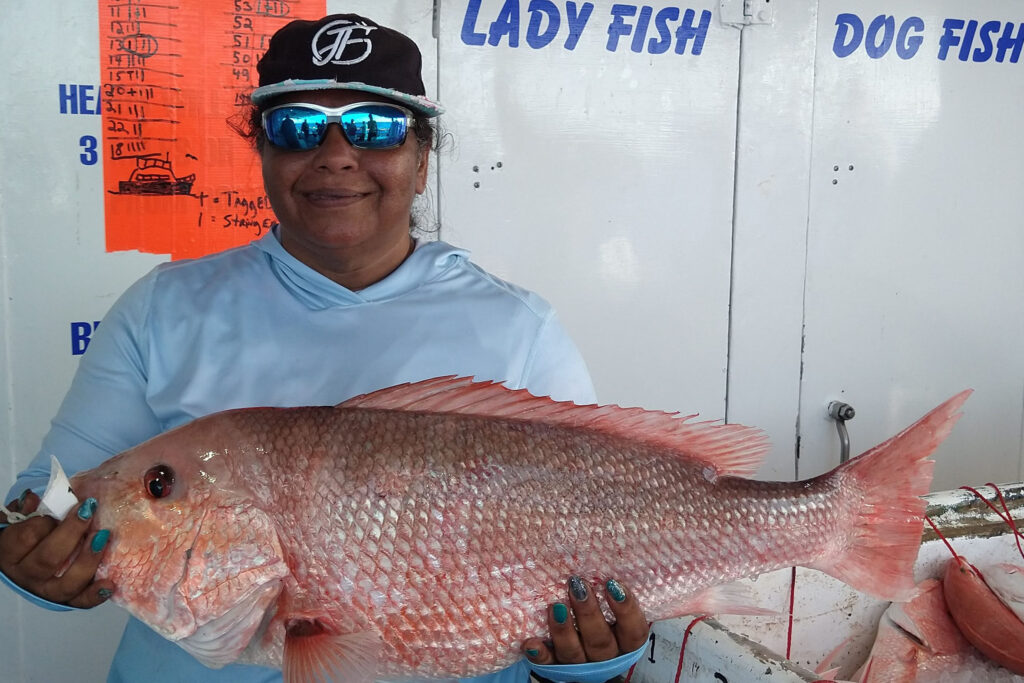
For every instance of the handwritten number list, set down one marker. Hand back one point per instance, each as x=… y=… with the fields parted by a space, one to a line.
x=178 y=179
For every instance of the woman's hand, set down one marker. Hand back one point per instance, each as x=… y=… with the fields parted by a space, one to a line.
x=35 y=555
x=588 y=637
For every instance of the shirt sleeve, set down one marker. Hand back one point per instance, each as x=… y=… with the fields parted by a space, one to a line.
x=555 y=367
x=591 y=672
x=105 y=411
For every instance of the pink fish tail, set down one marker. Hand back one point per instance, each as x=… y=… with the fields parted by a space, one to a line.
x=887 y=482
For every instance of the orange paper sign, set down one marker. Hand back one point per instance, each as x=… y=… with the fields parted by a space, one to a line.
x=177 y=179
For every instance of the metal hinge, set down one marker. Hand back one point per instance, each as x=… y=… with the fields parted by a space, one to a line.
x=745 y=12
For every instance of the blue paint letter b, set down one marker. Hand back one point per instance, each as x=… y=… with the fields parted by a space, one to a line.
x=81 y=333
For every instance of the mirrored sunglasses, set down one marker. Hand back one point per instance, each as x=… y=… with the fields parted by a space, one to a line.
x=366 y=125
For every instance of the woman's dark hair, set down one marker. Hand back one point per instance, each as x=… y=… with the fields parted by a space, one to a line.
x=248 y=123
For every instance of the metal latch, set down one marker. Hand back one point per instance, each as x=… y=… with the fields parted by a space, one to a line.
x=841 y=412
x=745 y=12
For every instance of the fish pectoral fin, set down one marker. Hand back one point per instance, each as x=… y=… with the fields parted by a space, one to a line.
x=312 y=654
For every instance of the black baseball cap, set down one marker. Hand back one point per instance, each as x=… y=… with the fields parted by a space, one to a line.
x=343 y=52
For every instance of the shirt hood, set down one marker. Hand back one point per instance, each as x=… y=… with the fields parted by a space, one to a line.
x=427 y=262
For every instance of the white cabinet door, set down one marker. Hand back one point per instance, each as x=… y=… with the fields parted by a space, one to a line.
x=915 y=288
x=593 y=162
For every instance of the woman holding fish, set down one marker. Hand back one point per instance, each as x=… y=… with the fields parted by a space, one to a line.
x=338 y=300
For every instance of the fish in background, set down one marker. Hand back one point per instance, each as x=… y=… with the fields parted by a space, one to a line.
x=967 y=625
x=1007 y=582
x=916 y=640
x=422 y=530
x=986 y=604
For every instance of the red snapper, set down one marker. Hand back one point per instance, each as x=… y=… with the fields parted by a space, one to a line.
x=423 y=529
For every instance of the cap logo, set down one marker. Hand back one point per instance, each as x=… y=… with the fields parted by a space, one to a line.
x=331 y=42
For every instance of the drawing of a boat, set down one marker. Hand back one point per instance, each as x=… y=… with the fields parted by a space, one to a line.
x=153 y=175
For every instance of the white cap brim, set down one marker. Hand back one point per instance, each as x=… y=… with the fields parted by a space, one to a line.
x=420 y=104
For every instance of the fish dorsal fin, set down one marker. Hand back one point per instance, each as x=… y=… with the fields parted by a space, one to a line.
x=729 y=449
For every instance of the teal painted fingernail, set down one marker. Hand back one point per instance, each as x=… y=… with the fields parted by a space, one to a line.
x=104 y=593
x=86 y=509
x=532 y=653
x=560 y=612
x=22 y=497
x=99 y=541
x=577 y=588
x=615 y=590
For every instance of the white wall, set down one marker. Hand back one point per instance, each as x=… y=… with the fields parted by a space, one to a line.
x=54 y=271
x=603 y=179
x=704 y=259
x=914 y=282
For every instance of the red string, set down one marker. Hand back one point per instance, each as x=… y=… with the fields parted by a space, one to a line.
x=682 y=649
x=630 y=674
x=1006 y=517
x=1009 y=518
x=929 y=520
x=792 y=597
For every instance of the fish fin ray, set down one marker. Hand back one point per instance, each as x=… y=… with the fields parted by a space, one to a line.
x=314 y=655
x=728 y=448
x=826 y=668
x=729 y=598
x=882 y=542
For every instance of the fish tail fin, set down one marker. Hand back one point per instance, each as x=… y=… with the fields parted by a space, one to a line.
x=882 y=542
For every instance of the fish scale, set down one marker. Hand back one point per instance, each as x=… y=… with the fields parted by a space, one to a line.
x=423 y=530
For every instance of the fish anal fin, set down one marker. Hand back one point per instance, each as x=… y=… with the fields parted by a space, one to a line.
x=729 y=598
x=312 y=654
x=728 y=449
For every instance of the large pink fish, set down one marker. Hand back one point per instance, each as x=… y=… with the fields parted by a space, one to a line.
x=422 y=530
x=985 y=620
x=916 y=640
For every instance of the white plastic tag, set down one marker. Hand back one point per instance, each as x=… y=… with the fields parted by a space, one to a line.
x=58 y=498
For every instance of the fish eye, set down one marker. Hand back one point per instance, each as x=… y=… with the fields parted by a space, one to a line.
x=159 y=481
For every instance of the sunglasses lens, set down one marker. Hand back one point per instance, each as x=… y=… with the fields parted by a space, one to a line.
x=295 y=127
x=375 y=126
x=367 y=126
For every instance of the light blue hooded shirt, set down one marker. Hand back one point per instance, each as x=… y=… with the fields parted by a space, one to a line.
x=253 y=326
